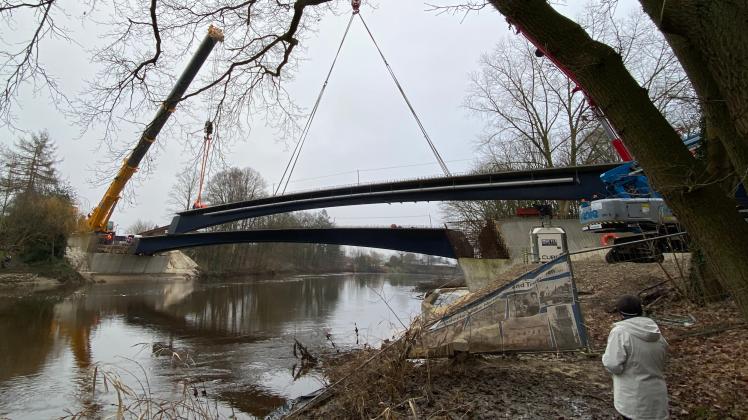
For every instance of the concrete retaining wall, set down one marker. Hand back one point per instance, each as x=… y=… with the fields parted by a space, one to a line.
x=479 y=272
x=516 y=235
x=100 y=266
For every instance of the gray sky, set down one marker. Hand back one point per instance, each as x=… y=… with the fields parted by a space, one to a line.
x=362 y=123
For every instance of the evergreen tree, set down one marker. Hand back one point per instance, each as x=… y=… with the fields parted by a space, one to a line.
x=33 y=166
x=38 y=213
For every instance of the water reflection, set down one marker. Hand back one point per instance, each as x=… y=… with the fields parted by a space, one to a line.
x=25 y=339
x=239 y=334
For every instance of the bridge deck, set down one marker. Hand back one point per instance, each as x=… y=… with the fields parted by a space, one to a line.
x=439 y=242
x=571 y=183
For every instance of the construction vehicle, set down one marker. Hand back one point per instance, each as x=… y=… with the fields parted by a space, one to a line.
x=98 y=220
x=630 y=210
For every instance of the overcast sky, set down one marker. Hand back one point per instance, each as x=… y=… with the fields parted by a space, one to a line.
x=362 y=124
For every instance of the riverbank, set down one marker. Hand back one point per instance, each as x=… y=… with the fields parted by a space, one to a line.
x=706 y=373
x=22 y=278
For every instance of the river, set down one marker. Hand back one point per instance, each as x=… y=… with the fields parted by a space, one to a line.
x=231 y=342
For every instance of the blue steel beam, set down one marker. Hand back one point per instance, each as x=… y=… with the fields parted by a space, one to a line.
x=574 y=183
x=440 y=242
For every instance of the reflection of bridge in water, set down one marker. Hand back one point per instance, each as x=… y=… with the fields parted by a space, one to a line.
x=572 y=183
x=239 y=333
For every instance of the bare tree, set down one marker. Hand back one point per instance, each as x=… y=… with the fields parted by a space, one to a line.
x=25 y=26
x=709 y=33
x=184 y=191
x=8 y=162
x=233 y=185
x=141 y=226
x=533 y=116
x=140 y=48
x=143 y=48
x=650 y=60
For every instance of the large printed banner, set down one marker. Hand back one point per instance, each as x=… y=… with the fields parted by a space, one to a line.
x=538 y=311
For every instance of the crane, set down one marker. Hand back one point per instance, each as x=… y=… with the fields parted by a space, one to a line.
x=630 y=206
x=98 y=219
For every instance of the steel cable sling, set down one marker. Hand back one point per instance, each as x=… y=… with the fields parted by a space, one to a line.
x=407 y=101
x=302 y=139
x=291 y=165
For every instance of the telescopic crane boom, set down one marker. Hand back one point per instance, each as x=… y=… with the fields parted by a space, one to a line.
x=541 y=51
x=99 y=218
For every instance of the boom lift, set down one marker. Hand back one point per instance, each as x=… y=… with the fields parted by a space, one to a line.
x=98 y=219
x=631 y=209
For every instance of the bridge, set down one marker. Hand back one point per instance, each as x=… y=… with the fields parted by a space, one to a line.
x=571 y=183
x=568 y=183
x=440 y=242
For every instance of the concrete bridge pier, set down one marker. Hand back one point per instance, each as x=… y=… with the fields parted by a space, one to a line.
x=98 y=266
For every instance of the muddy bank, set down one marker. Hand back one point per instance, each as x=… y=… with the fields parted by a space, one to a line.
x=707 y=375
x=26 y=279
x=18 y=282
x=486 y=387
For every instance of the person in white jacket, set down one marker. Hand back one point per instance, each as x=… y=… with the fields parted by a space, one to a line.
x=635 y=356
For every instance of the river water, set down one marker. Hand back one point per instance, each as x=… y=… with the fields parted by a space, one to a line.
x=231 y=342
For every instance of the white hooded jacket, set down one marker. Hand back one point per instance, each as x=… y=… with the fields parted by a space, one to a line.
x=635 y=355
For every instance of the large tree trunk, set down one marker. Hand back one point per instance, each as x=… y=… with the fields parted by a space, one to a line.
x=702 y=285
x=688 y=26
x=701 y=206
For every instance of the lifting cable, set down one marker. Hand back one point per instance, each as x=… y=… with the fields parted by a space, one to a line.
x=302 y=139
x=204 y=163
x=207 y=139
x=291 y=165
x=410 y=106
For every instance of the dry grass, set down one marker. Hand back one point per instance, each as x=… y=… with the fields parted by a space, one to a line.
x=363 y=378
x=137 y=399
x=707 y=358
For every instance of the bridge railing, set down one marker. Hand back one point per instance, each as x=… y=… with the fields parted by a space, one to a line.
x=396 y=180
x=382 y=181
x=419 y=178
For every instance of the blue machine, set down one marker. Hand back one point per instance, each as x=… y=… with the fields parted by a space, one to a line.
x=632 y=210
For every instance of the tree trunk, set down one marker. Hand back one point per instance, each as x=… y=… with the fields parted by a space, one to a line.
x=680 y=30
x=702 y=285
x=711 y=220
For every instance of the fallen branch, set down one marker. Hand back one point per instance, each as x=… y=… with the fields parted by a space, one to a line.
x=316 y=399
x=304 y=354
x=710 y=331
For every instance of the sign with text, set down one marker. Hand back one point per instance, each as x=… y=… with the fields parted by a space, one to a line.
x=539 y=311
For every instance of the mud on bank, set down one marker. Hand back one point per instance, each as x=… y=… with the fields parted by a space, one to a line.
x=706 y=373
x=25 y=279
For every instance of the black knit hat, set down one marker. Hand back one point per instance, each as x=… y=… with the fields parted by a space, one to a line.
x=629 y=306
